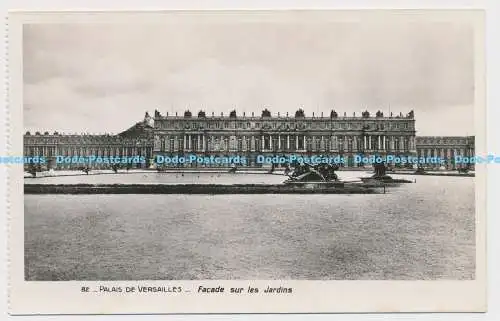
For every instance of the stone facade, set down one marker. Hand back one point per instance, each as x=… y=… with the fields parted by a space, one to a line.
x=446 y=147
x=251 y=135
x=136 y=141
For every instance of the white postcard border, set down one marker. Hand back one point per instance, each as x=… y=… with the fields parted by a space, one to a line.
x=308 y=296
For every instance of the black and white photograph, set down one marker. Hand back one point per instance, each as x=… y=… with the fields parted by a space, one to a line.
x=256 y=145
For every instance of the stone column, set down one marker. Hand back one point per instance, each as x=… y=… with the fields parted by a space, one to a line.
x=288 y=142
x=365 y=144
x=279 y=142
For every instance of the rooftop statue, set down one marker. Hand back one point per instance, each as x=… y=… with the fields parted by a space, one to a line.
x=232 y=114
x=334 y=114
x=365 y=114
x=266 y=113
x=411 y=114
x=187 y=114
x=201 y=114
x=148 y=120
x=299 y=113
x=379 y=114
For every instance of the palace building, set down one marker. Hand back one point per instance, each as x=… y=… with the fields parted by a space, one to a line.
x=252 y=135
x=446 y=147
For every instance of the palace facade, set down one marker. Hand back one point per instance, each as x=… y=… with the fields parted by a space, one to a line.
x=446 y=147
x=252 y=135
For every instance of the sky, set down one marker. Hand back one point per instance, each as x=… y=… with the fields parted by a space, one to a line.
x=99 y=78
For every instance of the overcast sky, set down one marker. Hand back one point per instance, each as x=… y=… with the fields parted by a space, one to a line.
x=102 y=78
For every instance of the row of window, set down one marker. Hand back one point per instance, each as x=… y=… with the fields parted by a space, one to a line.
x=281 y=125
x=82 y=151
x=444 y=152
x=273 y=143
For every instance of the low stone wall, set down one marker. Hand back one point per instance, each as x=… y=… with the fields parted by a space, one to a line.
x=443 y=174
x=192 y=189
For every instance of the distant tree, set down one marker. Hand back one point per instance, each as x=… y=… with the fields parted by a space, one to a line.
x=86 y=169
x=33 y=169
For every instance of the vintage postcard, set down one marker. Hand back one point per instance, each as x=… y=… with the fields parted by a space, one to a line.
x=291 y=161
